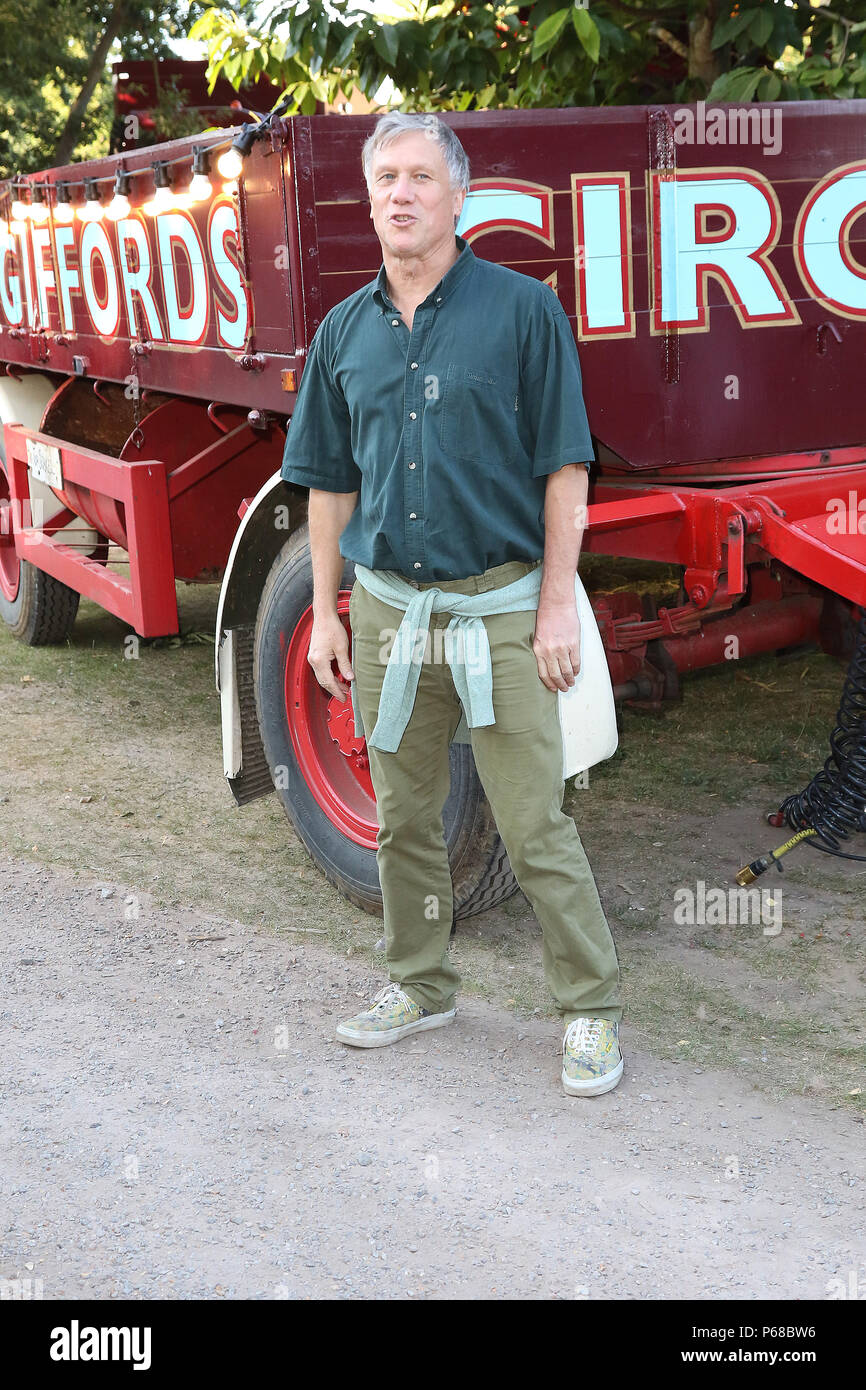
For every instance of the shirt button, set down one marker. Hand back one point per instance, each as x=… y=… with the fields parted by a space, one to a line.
x=417 y=565
x=411 y=465
x=395 y=322
x=413 y=365
x=412 y=415
x=438 y=299
x=412 y=516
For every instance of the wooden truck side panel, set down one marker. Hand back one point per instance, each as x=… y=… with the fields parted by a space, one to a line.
x=769 y=371
x=625 y=222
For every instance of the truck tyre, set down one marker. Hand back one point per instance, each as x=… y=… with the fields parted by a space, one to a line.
x=43 y=611
x=35 y=606
x=320 y=768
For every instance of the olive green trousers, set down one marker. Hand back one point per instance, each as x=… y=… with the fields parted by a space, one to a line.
x=519 y=762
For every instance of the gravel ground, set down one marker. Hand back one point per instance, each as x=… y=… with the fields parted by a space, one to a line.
x=178 y=1122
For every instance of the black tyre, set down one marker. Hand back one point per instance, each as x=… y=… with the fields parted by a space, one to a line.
x=35 y=606
x=320 y=769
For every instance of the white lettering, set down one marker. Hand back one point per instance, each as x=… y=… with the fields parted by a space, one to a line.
x=232 y=328
x=131 y=232
x=187 y=324
x=96 y=246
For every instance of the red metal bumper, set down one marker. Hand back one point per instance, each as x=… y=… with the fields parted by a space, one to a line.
x=146 y=599
x=814 y=523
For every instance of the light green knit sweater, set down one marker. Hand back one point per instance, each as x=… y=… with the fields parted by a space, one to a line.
x=465 y=637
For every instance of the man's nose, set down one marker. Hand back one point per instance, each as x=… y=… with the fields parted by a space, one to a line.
x=402 y=187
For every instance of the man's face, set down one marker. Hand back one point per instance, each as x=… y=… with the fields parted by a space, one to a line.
x=412 y=203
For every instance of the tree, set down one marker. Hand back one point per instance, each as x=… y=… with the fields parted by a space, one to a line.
x=55 y=84
x=454 y=56
x=71 y=132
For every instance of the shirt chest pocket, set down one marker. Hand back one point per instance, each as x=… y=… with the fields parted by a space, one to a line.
x=478 y=417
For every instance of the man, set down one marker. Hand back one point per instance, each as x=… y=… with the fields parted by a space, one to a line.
x=447 y=393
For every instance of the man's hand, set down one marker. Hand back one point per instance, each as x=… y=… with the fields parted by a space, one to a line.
x=556 y=643
x=329 y=642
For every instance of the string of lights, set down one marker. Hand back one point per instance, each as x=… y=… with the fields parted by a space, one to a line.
x=166 y=197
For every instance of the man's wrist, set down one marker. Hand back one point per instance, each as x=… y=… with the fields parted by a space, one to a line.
x=557 y=587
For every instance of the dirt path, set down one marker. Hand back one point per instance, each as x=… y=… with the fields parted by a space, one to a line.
x=177 y=1122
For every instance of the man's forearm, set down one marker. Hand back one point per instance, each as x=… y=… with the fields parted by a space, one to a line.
x=564 y=520
x=328 y=513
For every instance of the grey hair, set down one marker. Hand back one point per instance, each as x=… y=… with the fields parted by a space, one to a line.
x=394 y=123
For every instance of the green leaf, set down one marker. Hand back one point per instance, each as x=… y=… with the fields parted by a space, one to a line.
x=617 y=38
x=770 y=86
x=761 y=27
x=386 y=43
x=785 y=30
x=738 y=85
x=548 y=32
x=587 y=31
x=729 y=28
x=344 y=50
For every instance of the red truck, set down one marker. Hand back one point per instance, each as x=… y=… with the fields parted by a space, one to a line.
x=712 y=262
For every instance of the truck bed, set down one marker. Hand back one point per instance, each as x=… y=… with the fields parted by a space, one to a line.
x=770 y=364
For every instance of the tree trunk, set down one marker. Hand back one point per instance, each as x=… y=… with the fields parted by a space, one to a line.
x=72 y=130
x=703 y=61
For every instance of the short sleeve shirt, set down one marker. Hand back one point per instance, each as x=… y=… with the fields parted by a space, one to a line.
x=447 y=431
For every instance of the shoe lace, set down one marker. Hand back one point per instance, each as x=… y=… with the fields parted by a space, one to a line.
x=389 y=995
x=583 y=1034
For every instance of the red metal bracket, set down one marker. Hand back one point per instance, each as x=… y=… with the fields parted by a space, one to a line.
x=813 y=522
x=146 y=599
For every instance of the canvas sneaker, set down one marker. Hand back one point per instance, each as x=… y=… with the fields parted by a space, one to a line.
x=591 y=1059
x=390 y=1017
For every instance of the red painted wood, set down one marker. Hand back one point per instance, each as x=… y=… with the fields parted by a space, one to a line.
x=307 y=242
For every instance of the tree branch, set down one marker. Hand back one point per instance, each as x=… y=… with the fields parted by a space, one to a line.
x=667 y=37
x=72 y=129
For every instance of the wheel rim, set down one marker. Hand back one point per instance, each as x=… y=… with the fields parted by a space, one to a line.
x=10 y=565
x=332 y=759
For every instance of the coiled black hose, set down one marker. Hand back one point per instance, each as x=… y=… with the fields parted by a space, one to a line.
x=834 y=803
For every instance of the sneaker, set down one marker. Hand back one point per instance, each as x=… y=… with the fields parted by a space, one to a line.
x=591 y=1059
x=390 y=1017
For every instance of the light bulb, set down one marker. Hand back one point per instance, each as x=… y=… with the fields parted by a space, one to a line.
x=118 y=207
x=119 y=204
x=230 y=164
x=200 y=188
x=162 y=201
x=64 y=212
x=19 y=209
x=92 y=209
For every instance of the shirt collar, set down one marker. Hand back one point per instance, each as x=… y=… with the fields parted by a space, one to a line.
x=449 y=282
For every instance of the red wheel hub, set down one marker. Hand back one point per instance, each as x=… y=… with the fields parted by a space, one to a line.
x=331 y=756
x=10 y=566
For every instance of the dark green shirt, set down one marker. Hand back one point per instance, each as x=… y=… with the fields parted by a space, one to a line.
x=447 y=432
